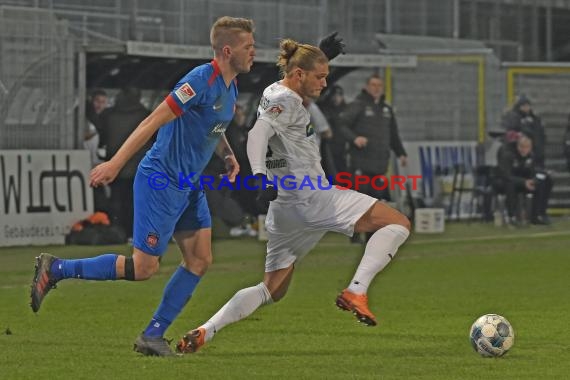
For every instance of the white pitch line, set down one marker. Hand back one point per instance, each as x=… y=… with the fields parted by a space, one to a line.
x=466 y=239
x=493 y=237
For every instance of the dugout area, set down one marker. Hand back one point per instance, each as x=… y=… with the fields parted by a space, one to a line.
x=156 y=68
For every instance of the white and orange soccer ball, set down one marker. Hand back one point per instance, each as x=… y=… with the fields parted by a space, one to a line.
x=492 y=335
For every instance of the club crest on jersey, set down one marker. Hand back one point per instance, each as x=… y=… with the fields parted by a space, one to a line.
x=310 y=129
x=185 y=93
x=274 y=111
x=152 y=239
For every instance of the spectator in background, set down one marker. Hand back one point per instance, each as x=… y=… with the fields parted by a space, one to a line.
x=567 y=144
x=117 y=123
x=237 y=138
x=521 y=119
x=517 y=175
x=323 y=134
x=95 y=105
x=332 y=105
x=221 y=199
x=369 y=125
x=232 y=206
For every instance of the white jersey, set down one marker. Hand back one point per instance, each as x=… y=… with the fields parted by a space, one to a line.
x=293 y=157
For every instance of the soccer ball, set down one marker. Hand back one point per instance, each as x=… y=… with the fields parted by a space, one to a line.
x=492 y=335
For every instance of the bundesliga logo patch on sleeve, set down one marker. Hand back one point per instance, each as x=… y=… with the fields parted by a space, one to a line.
x=185 y=93
x=274 y=111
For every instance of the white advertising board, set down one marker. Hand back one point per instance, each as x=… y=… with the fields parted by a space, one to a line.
x=42 y=193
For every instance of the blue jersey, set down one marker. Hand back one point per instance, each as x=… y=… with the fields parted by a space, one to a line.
x=204 y=107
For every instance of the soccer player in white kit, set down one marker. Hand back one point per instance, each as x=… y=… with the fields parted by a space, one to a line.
x=297 y=219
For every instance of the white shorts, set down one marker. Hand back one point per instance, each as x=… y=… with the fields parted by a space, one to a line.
x=294 y=229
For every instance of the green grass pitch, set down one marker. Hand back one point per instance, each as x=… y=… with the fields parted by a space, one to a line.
x=425 y=301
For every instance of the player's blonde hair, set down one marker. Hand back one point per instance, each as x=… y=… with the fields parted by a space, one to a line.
x=294 y=54
x=225 y=31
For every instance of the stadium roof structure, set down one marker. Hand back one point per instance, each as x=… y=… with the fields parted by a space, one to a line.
x=157 y=65
x=544 y=3
x=406 y=44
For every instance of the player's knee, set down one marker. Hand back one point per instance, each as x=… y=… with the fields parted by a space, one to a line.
x=207 y=261
x=145 y=270
x=403 y=221
x=395 y=217
x=198 y=264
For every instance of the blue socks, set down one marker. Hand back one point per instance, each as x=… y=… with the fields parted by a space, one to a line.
x=94 y=268
x=176 y=295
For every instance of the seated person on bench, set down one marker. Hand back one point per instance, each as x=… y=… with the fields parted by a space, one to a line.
x=517 y=174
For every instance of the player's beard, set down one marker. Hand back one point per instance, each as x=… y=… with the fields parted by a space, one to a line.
x=310 y=92
x=239 y=65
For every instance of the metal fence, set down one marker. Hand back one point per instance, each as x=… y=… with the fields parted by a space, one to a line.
x=36 y=80
x=452 y=96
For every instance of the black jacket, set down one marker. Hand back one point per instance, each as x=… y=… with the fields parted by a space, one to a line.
x=566 y=144
x=117 y=123
x=529 y=124
x=376 y=122
x=332 y=112
x=513 y=167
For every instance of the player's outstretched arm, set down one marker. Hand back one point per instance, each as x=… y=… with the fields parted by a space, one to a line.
x=106 y=172
x=257 y=140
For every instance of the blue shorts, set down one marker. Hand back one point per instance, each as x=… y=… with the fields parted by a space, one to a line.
x=159 y=213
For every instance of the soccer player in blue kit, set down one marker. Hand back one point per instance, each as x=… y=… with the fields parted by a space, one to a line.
x=168 y=202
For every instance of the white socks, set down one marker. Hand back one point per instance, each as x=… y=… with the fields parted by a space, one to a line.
x=241 y=305
x=380 y=249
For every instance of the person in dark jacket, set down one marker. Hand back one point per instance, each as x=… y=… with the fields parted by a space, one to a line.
x=522 y=119
x=96 y=104
x=332 y=105
x=237 y=138
x=369 y=125
x=566 y=146
x=117 y=123
x=517 y=175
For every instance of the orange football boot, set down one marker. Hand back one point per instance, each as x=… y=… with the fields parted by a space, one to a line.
x=358 y=305
x=192 y=341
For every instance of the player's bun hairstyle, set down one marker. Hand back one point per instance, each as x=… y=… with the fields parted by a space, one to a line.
x=293 y=54
x=225 y=31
